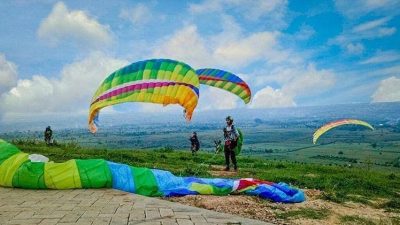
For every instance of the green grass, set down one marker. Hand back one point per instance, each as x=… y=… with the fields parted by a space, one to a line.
x=355 y=220
x=393 y=205
x=338 y=183
x=308 y=213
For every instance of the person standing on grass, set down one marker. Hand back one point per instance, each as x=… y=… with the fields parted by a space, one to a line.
x=231 y=136
x=195 y=143
x=48 y=135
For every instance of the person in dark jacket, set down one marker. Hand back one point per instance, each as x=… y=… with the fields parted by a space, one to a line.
x=48 y=135
x=231 y=136
x=195 y=143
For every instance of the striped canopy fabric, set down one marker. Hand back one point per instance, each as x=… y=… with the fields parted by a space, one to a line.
x=337 y=123
x=161 y=81
x=16 y=170
x=226 y=81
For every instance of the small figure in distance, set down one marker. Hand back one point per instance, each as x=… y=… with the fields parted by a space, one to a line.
x=195 y=143
x=48 y=135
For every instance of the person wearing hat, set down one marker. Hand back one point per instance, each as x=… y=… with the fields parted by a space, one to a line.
x=231 y=136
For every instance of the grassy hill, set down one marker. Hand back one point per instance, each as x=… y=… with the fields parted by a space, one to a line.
x=348 y=146
x=336 y=194
x=338 y=183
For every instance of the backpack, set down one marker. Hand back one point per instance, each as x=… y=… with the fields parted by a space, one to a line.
x=239 y=145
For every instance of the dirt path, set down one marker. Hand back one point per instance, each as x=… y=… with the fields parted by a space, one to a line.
x=218 y=171
x=314 y=210
x=255 y=208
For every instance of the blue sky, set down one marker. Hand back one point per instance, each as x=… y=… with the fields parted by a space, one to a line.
x=53 y=54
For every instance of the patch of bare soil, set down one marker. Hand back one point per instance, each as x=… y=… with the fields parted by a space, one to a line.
x=246 y=206
x=336 y=210
x=256 y=208
x=219 y=171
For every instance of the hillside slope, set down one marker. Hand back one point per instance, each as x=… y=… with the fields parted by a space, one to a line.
x=336 y=193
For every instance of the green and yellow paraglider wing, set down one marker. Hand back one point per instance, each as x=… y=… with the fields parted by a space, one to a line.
x=338 y=123
x=239 y=145
x=160 y=81
x=226 y=81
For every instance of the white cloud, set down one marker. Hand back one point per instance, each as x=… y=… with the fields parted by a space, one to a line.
x=370 y=25
x=8 y=74
x=298 y=80
x=294 y=81
x=232 y=50
x=77 y=26
x=231 y=30
x=215 y=98
x=72 y=92
x=382 y=57
x=137 y=15
x=388 y=90
x=309 y=82
x=358 y=8
x=185 y=45
x=206 y=6
x=373 y=29
x=385 y=71
x=304 y=33
x=271 y=98
x=386 y=31
x=249 y=49
x=272 y=12
x=355 y=49
x=350 y=39
x=36 y=94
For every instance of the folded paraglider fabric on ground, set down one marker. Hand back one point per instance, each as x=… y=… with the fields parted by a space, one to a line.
x=16 y=170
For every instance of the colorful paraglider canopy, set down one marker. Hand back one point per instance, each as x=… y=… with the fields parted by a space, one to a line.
x=226 y=81
x=337 y=123
x=161 y=81
x=16 y=170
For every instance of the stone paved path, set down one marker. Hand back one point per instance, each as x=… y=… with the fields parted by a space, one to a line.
x=101 y=207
